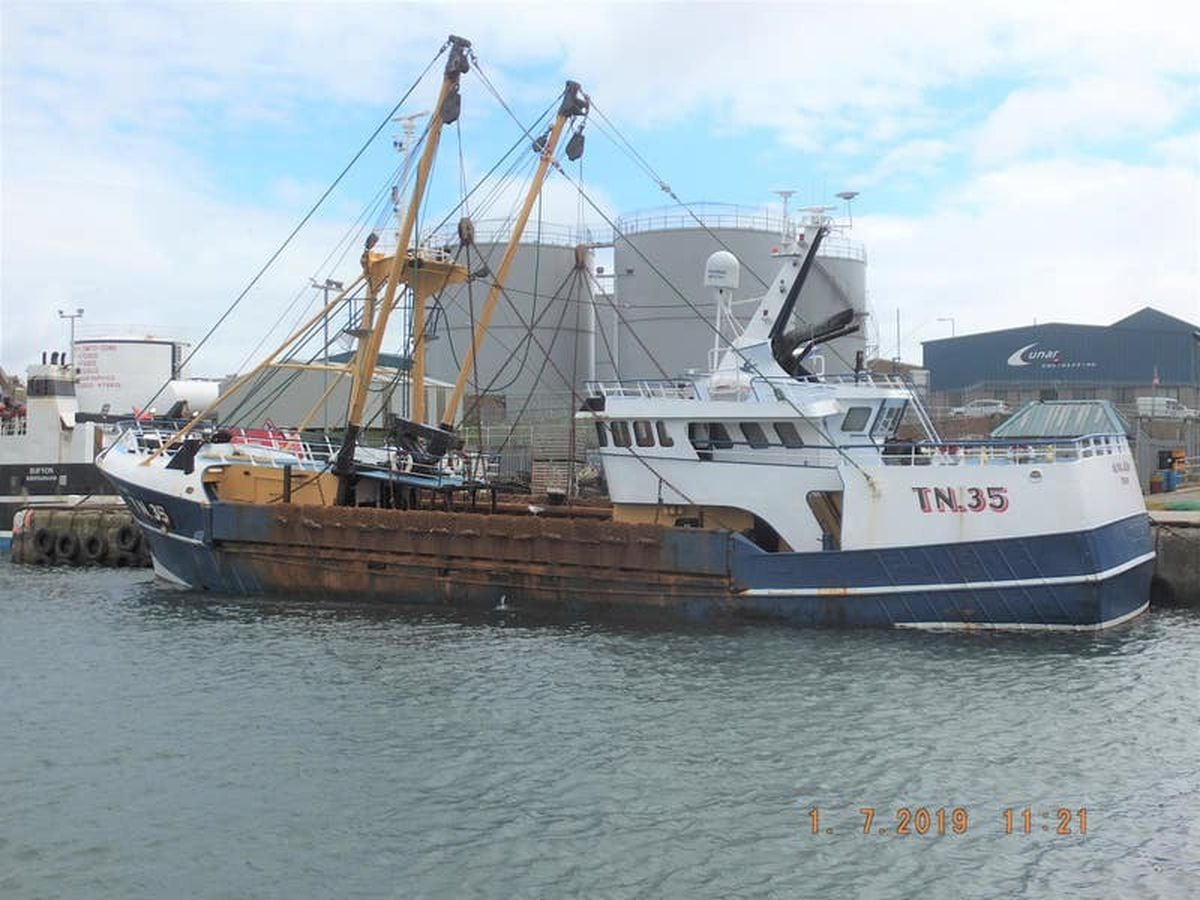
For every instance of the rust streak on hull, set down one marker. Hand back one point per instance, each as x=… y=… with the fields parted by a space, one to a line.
x=464 y=559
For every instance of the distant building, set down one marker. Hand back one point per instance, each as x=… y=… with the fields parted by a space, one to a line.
x=291 y=397
x=1148 y=353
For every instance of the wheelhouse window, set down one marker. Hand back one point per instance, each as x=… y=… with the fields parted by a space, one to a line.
x=888 y=419
x=856 y=418
x=50 y=387
x=788 y=435
x=718 y=434
x=664 y=436
x=601 y=434
x=754 y=434
x=620 y=434
x=708 y=436
x=643 y=433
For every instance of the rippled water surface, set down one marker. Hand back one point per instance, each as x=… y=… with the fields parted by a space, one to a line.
x=155 y=743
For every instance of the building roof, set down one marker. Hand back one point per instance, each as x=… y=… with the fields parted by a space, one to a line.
x=1150 y=319
x=386 y=360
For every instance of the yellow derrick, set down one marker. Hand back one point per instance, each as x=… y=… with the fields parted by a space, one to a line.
x=427 y=274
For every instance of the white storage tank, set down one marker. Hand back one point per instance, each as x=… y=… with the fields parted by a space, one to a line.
x=539 y=340
x=665 y=326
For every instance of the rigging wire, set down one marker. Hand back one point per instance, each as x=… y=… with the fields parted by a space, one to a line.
x=303 y=221
x=574 y=276
x=529 y=135
x=484 y=179
x=346 y=242
x=747 y=362
x=577 y=397
x=526 y=339
x=666 y=188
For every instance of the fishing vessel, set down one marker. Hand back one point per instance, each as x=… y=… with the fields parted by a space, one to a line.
x=762 y=489
x=52 y=427
x=47 y=446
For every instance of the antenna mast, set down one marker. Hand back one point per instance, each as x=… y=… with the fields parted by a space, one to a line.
x=405 y=145
x=787 y=232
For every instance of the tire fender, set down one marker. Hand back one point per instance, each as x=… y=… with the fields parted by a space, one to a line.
x=129 y=538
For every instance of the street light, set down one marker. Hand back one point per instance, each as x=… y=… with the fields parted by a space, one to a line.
x=949 y=319
x=848 y=196
x=78 y=314
x=329 y=285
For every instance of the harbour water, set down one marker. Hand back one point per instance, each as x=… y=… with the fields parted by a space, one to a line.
x=157 y=743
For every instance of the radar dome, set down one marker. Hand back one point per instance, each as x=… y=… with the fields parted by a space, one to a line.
x=722 y=270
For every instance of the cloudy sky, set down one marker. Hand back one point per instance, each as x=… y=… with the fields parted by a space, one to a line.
x=1015 y=161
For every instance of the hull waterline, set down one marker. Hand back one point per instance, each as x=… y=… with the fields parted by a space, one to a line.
x=595 y=569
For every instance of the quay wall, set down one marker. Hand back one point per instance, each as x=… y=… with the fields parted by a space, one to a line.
x=1177 y=567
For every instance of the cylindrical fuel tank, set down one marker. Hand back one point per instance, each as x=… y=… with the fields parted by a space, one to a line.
x=664 y=318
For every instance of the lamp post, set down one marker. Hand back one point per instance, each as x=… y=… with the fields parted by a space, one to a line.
x=848 y=196
x=949 y=319
x=329 y=285
x=78 y=314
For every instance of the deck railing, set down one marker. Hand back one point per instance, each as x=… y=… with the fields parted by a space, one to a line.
x=999 y=453
x=684 y=389
x=277 y=448
x=649 y=389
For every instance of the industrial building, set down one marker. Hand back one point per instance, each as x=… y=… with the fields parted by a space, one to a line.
x=292 y=397
x=1148 y=353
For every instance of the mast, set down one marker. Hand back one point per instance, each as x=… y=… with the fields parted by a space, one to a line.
x=376 y=315
x=574 y=103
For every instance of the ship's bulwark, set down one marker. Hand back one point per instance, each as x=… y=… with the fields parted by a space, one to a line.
x=463 y=559
x=585 y=567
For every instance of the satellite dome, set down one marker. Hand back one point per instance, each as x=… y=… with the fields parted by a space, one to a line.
x=722 y=270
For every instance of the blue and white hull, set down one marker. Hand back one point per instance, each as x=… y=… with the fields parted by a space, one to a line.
x=1083 y=580
x=1075 y=581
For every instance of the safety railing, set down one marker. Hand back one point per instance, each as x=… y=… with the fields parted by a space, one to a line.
x=648 y=389
x=998 y=453
x=497 y=231
x=713 y=215
x=761 y=388
x=870 y=379
x=277 y=448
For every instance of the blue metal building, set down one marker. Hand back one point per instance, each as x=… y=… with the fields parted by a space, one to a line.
x=1146 y=353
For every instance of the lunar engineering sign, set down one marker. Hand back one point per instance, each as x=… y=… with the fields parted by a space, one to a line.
x=1045 y=358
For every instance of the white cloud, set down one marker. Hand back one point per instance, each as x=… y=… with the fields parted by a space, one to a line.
x=106 y=203
x=1084 y=110
x=914 y=159
x=134 y=243
x=1182 y=150
x=1060 y=241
